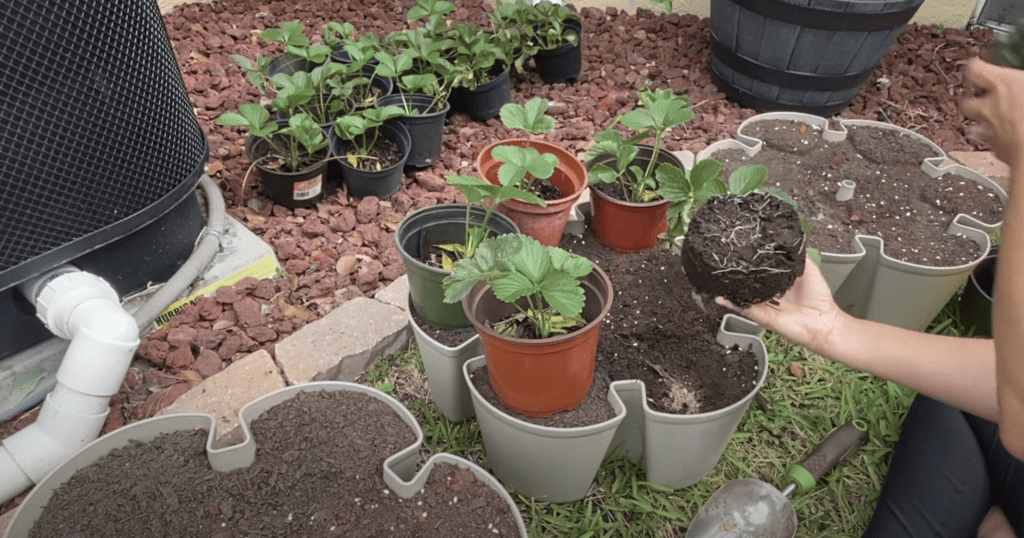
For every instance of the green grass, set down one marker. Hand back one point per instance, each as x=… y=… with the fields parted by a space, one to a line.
x=803 y=407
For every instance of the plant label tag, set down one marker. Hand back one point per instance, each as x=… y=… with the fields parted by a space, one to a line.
x=304 y=190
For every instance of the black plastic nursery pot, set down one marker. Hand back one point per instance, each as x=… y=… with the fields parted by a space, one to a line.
x=379 y=183
x=485 y=101
x=288 y=64
x=379 y=87
x=564 y=63
x=786 y=55
x=426 y=129
x=291 y=189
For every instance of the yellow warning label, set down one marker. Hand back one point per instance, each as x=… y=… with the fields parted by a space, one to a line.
x=265 y=268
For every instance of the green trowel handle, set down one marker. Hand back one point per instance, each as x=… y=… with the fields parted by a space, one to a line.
x=834 y=449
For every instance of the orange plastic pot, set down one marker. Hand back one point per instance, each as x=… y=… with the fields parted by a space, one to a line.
x=538 y=378
x=545 y=224
x=626 y=226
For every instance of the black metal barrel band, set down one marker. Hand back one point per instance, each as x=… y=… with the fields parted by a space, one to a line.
x=761 y=104
x=894 y=15
x=786 y=79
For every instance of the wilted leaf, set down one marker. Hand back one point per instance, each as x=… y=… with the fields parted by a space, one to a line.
x=347 y=264
x=197 y=56
x=298 y=312
x=192 y=377
x=254 y=218
x=223 y=324
x=355 y=237
x=215 y=166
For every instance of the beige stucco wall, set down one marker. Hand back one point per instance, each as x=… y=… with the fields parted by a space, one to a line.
x=951 y=13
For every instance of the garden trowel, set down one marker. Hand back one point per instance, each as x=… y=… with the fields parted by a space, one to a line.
x=748 y=508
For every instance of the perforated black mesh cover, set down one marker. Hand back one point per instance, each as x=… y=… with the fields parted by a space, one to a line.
x=97 y=134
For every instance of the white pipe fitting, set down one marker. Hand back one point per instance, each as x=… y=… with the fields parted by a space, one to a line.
x=845 y=191
x=85 y=309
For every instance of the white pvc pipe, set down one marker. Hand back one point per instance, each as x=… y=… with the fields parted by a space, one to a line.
x=845 y=191
x=85 y=309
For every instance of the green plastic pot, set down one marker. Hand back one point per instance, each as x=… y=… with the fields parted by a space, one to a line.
x=438 y=225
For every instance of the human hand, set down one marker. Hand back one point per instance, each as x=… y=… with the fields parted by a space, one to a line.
x=999 y=109
x=806 y=313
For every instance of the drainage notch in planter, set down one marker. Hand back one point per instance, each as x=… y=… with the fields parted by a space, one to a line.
x=817 y=56
x=868 y=282
x=398 y=471
x=550 y=464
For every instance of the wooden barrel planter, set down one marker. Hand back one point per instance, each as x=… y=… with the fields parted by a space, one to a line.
x=778 y=55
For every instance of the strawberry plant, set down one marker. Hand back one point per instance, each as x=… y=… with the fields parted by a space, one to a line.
x=542 y=282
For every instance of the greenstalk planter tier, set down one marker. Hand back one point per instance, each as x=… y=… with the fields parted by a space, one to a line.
x=399 y=470
x=868 y=283
x=443 y=366
x=788 y=55
x=559 y=464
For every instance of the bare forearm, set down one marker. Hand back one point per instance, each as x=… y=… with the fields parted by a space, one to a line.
x=1008 y=318
x=960 y=372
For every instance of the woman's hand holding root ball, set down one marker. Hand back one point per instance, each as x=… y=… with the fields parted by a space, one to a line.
x=806 y=313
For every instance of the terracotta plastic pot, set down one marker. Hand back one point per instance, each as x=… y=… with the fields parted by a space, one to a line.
x=627 y=226
x=540 y=377
x=545 y=224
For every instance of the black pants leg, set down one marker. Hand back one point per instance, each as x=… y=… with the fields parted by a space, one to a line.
x=948 y=469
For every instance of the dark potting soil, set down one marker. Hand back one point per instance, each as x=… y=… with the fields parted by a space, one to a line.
x=318 y=472
x=383 y=154
x=893 y=199
x=594 y=409
x=657 y=333
x=546 y=190
x=446 y=337
x=748 y=249
x=261 y=155
x=614 y=190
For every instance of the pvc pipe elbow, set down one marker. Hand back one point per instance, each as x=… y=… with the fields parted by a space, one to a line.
x=56 y=435
x=60 y=297
x=15 y=480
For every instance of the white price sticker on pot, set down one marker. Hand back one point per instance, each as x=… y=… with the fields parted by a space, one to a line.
x=304 y=190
